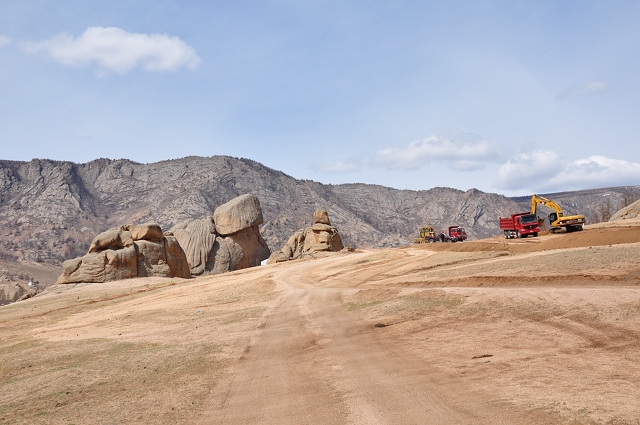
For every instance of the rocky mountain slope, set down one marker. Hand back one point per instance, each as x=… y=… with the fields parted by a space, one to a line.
x=51 y=210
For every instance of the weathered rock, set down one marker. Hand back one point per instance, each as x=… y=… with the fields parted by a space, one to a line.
x=238 y=214
x=295 y=245
x=148 y=232
x=230 y=240
x=31 y=292
x=120 y=264
x=90 y=269
x=152 y=259
x=278 y=257
x=320 y=237
x=111 y=239
x=176 y=258
x=248 y=246
x=70 y=266
x=114 y=255
x=221 y=260
x=197 y=239
x=321 y=217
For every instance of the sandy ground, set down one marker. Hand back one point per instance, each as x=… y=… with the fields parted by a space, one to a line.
x=535 y=331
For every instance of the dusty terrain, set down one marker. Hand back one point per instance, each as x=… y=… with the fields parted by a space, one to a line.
x=13 y=274
x=538 y=331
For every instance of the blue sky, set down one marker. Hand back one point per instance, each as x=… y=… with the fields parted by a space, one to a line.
x=504 y=96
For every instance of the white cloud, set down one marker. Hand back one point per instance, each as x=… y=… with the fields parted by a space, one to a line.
x=467 y=165
x=528 y=170
x=588 y=89
x=4 y=40
x=116 y=50
x=544 y=171
x=597 y=171
x=463 y=152
x=337 y=166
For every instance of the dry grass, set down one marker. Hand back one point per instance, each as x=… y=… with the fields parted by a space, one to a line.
x=555 y=330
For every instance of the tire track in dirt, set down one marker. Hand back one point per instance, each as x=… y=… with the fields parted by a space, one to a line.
x=312 y=361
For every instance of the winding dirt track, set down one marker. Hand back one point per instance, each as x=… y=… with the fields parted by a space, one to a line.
x=536 y=331
x=310 y=361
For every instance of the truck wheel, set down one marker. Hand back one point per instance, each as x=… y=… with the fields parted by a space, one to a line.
x=431 y=241
x=518 y=235
x=535 y=235
x=506 y=234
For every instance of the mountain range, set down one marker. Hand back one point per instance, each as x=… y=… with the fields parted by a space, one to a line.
x=51 y=210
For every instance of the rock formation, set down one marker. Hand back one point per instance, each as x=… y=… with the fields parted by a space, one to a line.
x=127 y=252
x=51 y=210
x=321 y=237
x=230 y=240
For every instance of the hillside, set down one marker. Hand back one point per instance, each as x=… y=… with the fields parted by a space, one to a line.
x=531 y=331
x=51 y=210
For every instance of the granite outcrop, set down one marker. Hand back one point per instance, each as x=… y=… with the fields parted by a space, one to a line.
x=320 y=237
x=126 y=252
x=227 y=241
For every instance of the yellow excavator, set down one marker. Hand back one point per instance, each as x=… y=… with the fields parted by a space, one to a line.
x=427 y=234
x=557 y=219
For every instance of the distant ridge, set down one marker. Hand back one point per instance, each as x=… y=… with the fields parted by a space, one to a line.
x=50 y=210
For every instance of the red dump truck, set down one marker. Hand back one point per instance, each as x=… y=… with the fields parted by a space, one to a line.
x=458 y=233
x=520 y=225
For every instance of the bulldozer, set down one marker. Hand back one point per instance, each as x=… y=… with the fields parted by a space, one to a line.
x=557 y=219
x=427 y=234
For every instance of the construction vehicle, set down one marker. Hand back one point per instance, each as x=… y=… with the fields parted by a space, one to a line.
x=445 y=237
x=557 y=219
x=520 y=225
x=427 y=235
x=457 y=232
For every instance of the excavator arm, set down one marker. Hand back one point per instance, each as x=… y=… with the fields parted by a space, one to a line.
x=557 y=219
x=535 y=200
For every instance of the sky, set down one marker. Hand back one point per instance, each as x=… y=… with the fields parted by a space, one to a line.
x=510 y=97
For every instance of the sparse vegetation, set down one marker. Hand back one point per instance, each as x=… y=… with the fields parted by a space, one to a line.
x=605 y=210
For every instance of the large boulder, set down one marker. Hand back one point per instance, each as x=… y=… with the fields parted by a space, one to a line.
x=248 y=246
x=238 y=214
x=197 y=237
x=321 y=237
x=228 y=241
x=117 y=238
x=127 y=252
x=321 y=217
x=152 y=259
x=148 y=232
x=176 y=257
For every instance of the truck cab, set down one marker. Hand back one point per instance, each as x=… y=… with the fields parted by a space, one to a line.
x=520 y=225
x=457 y=232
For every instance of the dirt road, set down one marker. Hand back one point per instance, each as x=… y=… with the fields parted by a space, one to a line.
x=494 y=332
x=311 y=361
